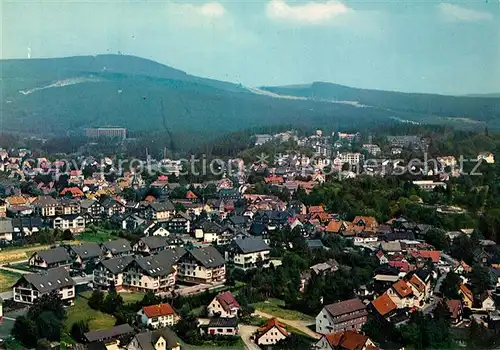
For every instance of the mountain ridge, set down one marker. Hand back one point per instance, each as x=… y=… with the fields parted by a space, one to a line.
x=54 y=95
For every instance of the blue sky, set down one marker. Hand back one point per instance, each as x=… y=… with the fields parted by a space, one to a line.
x=414 y=46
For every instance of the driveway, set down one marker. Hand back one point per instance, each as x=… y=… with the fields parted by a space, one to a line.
x=246 y=334
x=300 y=325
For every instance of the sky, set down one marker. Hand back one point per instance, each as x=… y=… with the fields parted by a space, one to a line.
x=411 y=46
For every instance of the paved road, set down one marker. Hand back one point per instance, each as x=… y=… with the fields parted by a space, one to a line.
x=300 y=325
x=245 y=334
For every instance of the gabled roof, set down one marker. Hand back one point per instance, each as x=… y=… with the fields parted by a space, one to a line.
x=154 y=242
x=49 y=280
x=158 y=310
x=87 y=250
x=117 y=265
x=417 y=283
x=54 y=255
x=162 y=206
x=207 y=256
x=6 y=226
x=434 y=255
x=160 y=264
x=146 y=340
x=225 y=322
x=367 y=220
x=191 y=195
x=345 y=307
x=454 y=306
x=271 y=323
x=384 y=304
x=402 y=288
x=118 y=246
x=43 y=201
x=109 y=333
x=227 y=301
x=250 y=245
x=466 y=292
x=315 y=209
x=349 y=340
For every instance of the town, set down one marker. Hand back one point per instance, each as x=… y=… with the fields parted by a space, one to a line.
x=327 y=240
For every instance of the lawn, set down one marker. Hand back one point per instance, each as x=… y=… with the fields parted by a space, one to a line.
x=128 y=297
x=81 y=311
x=276 y=308
x=101 y=235
x=7 y=279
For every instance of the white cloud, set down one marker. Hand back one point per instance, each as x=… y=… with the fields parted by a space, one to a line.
x=209 y=10
x=455 y=13
x=309 y=13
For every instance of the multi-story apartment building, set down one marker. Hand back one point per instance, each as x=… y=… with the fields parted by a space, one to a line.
x=341 y=316
x=249 y=252
x=33 y=285
x=157 y=273
x=202 y=265
x=351 y=158
x=45 y=206
x=67 y=206
x=110 y=272
x=73 y=222
x=151 y=244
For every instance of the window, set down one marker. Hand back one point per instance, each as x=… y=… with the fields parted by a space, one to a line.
x=70 y=293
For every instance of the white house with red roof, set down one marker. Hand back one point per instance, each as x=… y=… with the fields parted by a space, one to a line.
x=271 y=333
x=224 y=305
x=157 y=316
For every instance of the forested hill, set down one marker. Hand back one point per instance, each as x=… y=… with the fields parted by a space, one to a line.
x=54 y=96
x=484 y=108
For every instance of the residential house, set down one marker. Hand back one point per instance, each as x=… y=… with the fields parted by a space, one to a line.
x=368 y=222
x=67 y=206
x=73 y=192
x=222 y=326
x=31 y=286
x=157 y=273
x=50 y=258
x=159 y=339
x=401 y=294
x=347 y=314
x=486 y=302
x=111 y=207
x=345 y=340
x=115 y=248
x=462 y=268
x=3 y=208
x=208 y=231
x=151 y=244
x=271 y=333
x=456 y=310
x=330 y=265
x=249 y=252
x=202 y=265
x=160 y=211
x=86 y=253
x=384 y=305
x=157 y=316
x=223 y=305
x=179 y=223
x=25 y=227
x=45 y=206
x=74 y=222
x=92 y=207
x=111 y=272
x=107 y=334
x=487 y=157
x=381 y=257
x=6 y=230
x=467 y=295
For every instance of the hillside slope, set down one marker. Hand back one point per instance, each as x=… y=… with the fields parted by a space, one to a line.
x=479 y=108
x=53 y=96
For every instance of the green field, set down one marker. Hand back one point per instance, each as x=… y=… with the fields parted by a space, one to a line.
x=7 y=279
x=99 y=236
x=128 y=297
x=81 y=311
x=276 y=308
